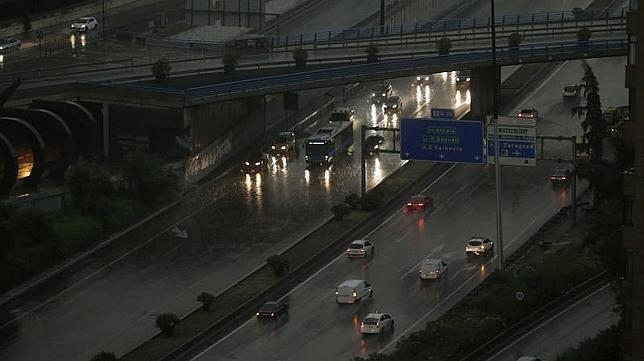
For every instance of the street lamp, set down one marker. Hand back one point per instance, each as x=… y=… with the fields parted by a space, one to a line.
x=495 y=118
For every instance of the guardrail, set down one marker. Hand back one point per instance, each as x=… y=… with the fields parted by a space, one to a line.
x=407 y=63
x=502 y=23
x=497 y=343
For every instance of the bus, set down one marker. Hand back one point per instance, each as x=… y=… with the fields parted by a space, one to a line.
x=328 y=143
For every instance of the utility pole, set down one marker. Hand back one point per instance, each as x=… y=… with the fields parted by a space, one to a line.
x=103 y=26
x=497 y=163
x=382 y=13
x=363 y=177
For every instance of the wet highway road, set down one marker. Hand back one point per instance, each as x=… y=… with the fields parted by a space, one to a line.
x=319 y=329
x=251 y=217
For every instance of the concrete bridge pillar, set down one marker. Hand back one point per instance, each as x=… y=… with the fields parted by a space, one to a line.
x=482 y=83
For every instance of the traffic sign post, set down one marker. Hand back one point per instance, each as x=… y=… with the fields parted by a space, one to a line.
x=39 y=35
x=517 y=141
x=452 y=141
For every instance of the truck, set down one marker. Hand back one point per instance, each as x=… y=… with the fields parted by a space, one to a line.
x=329 y=142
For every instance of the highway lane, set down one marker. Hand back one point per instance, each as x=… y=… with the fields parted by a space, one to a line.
x=318 y=329
x=567 y=328
x=243 y=219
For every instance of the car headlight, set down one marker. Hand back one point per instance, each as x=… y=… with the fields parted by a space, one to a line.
x=395 y=105
x=326 y=157
x=246 y=163
x=283 y=147
x=258 y=163
x=468 y=79
x=306 y=157
x=417 y=78
x=426 y=78
x=272 y=147
x=373 y=94
x=383 y=94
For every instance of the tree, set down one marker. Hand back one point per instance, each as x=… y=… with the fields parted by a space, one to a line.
x=89 y=184
x=353 y=201
x=104 y=356
x=340 y=210
x=147 y=180
x=514 y=40
x=26 y=23
x=206 y=300
x=443 y=46
x=229 y=60
x=161 y=70
x=583 y=34
x=300 y=55
x=593 y=124
x=167 y=322
x=372 y=53
x=278 y=264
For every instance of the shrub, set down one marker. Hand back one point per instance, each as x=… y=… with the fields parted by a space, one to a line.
x=443 y=46
x=278 y=264
x=147 y=180
x=206 y=299
x=230 y=61
x=372 y=53
x=300 y=55
x=353 y=201
x=161 y=70
x=167 y=322
x=104 y=356
x=583 y=34
x=74 y=231
x=89 y=184
x=514 y=40
x=340 y=210
x=607 y=345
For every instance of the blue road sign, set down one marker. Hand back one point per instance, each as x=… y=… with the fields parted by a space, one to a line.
x=39 y=34
x=517 y=144
x=443 y=113
x=439 y=140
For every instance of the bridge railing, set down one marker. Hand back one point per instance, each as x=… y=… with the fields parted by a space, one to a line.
x=406 y=63
x=506 y=22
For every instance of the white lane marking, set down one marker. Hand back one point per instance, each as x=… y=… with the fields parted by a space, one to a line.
x=319 y=271
x=491 y=261
x=546 y=81
x=548 y=321
x=415 y=267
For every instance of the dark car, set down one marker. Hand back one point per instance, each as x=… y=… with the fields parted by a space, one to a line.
x=254 y=163
x=373 y=142
x=569 y=91
x=419 y=201
x=380 y=92
x=422 y=81
x=392 y=105
x=272 y=309
x=528 y=113
x=283 y=143
x=463 y=77
x=342 y=115
x=559 y=176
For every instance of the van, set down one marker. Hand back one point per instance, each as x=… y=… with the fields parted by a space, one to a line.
x=351 y=291
x=432 y=268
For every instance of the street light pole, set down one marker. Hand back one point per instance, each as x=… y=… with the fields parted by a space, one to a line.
x=497 y=163
x=382 y=13
x=103 y=27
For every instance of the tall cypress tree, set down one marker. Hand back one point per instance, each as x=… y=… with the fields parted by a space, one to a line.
x=593 y=123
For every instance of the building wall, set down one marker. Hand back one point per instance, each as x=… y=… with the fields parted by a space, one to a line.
x=634 y=192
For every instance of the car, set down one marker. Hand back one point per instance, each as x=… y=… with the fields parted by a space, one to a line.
x=559 y=175
x=528 y=113
x=422 y=81
x=479 y=245
x=529 y=358
x=392 y=105
x=373 y=142
x=380 y=92
x=463 y=77
x=377 y=323
x=272 y=309
x=283 y=143
x=570 y=91
x=419 y=201
x=360 y=248
x=352 y=291
x=432 y=268
x=9 y=44
x=342 y=115
x=84 y=24
x=255 y=163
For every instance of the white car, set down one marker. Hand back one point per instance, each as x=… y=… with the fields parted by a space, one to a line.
x=377 y=322
x=7 y=44
x=84 y=24
x=360 y=248
x=432 y=268
x=352 y=291
x=479 y=245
